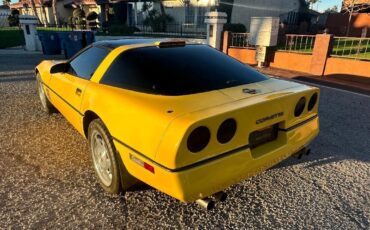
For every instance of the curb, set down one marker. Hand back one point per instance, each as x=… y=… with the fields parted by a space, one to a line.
x=15 y=73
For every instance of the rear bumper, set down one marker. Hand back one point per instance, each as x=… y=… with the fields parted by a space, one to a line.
x=202 y=180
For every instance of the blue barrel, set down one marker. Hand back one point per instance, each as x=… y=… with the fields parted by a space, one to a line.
x=72 y=44
x=50 y=43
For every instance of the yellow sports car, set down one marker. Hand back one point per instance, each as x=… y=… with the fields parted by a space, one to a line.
x=185 y=119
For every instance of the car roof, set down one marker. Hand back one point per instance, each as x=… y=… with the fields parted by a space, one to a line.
x=111 y=44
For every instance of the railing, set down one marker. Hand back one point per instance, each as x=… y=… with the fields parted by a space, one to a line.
x=240 y=40
x=173 y=30
x=351 y=47
x=297 y=43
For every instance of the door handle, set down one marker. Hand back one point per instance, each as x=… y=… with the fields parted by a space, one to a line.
x=78 y=92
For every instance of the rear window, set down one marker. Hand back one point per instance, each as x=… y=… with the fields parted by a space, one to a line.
x=178 y=70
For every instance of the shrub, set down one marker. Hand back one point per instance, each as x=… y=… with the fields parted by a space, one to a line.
x=117 y=29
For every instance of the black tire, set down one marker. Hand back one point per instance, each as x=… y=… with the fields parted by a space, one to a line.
x=45 y=102
x=120 y=178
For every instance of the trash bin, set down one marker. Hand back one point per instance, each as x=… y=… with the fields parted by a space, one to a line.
x=50 y=43
x=72 y=43
x=90 y=38
x=62 y=37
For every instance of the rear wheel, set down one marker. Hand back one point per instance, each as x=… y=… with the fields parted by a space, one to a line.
x=109 y=169
x=45 y=103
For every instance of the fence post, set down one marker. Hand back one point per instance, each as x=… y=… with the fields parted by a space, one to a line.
x=225 y=42
x=320 y=53
x=28 y=24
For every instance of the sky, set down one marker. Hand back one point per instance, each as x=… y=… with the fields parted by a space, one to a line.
x=321 y=6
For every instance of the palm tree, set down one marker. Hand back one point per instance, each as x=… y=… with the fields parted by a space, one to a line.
x=33 y=5
x=163 y=14
x=44 y=13
x=55 y=12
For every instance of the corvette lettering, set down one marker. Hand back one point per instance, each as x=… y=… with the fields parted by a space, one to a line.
x=273 y=116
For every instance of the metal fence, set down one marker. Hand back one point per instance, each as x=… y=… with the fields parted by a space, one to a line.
x=240 y=40
x=62 y=27
x=297 y=43
x=173 y=30
x=351 y=47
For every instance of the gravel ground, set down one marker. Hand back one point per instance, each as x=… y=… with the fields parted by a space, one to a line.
x=47 y=180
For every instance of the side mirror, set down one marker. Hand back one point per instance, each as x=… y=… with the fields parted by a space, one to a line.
x=60 y=68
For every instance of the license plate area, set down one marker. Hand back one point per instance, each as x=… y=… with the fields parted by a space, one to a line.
x=263 y=136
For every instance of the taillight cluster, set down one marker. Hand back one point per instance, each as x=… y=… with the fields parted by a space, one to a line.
x=200 y=136
x=301 y=104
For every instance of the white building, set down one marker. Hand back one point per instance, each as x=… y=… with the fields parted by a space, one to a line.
x=193 y=11
x=4 y=13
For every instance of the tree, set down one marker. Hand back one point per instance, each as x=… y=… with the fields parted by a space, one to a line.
x=333 y=9
x=163 y=14
x=158 y=21
x=6 y=2
x=310 y=3
x=353 y=6
x=55 y=12
x=33 y=5
x=43 y=11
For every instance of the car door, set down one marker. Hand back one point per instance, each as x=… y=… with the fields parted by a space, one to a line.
x=69 y=87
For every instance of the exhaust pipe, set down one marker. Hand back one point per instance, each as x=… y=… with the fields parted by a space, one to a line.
x=220 y=196
x=206 y=203
x=300 y=153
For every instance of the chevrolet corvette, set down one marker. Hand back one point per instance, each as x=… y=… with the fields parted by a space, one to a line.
x=183 y=118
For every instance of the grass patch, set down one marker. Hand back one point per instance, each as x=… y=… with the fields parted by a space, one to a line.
x=54 y=29
x=10 y=37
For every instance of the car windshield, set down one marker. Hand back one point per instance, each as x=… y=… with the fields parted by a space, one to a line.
x=178 y=70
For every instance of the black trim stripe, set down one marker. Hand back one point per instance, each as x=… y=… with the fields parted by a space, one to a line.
x=299 y=124
x=81 y=114
x=188 y=166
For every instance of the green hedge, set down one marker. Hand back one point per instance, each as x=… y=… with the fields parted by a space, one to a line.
x=10 y=37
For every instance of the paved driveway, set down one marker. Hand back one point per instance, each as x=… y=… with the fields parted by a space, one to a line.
x=47 y=181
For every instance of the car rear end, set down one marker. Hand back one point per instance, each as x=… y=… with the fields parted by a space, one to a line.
x=206 y=151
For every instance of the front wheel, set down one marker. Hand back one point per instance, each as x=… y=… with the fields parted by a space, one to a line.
x=45 y=103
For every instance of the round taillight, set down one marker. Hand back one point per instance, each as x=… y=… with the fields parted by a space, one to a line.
x=312 y=102
x=300 y=107
x=198 y=139
x=226 y=131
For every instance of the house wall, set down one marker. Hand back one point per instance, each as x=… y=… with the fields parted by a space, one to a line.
x=176 y=9
x=347 y=67
x=244 y=10
x=4 y=17
x=291 y=61
x=247 y=56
